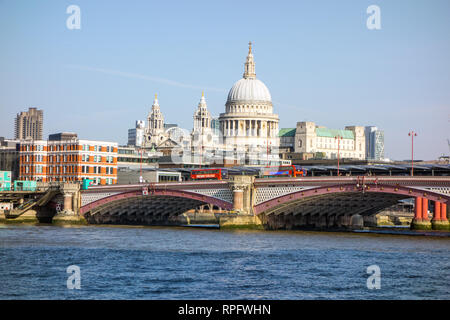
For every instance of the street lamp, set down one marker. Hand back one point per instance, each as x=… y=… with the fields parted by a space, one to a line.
x=140 y=171
x=338 y=138
x=412 y=134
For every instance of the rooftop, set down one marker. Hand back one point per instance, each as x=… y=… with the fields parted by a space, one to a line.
x=287 y=132
x=331 y=133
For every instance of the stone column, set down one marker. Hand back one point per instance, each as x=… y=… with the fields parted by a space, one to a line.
x=238 y=198
x=68 y=208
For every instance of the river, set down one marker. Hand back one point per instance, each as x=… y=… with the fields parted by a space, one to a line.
x=187 y=263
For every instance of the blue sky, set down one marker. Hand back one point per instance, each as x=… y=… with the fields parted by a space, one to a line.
x=317 y=58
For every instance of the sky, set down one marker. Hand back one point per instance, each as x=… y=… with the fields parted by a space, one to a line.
x=318 y=58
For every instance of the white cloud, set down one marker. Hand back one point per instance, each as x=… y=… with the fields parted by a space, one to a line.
x=145 y=77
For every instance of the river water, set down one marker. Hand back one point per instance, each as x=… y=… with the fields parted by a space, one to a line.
x=186 y=263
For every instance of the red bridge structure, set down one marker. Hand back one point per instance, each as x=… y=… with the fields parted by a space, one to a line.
x=275 y=203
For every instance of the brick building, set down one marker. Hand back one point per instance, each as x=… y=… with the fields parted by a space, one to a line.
x=68 y=160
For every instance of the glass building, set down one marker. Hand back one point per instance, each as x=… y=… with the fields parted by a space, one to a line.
x=374 y=143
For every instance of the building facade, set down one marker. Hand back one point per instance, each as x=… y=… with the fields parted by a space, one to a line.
x=324 y=142
x=287 y=139
x=136 y=135
x=9 y=157
x=68 y=160
x=134 y=157
x=29 y=124
x=374 y=143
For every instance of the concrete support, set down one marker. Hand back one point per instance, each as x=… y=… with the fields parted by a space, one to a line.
x=72 y=198
x=242 y=187
x=356 y=221
x=68 y=202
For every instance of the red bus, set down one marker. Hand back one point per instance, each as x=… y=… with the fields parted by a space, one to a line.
x=209 y=174
x=282 y=171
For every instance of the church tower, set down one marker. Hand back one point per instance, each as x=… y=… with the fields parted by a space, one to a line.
x=202 y=133
x=155 y=119
x=202 y=117
x=155 y=129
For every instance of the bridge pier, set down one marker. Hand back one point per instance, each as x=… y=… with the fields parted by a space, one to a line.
x=242 y=187
x=420 y=221
x=440 y=221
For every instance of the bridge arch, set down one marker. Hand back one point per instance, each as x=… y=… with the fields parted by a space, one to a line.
x=160 y=206
x=395 y=192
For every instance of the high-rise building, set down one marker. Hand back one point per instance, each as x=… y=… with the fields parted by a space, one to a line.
x=29 y=124
x=374 y=143
x=136 y=135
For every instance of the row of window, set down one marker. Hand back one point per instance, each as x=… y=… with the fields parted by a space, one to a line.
x=86 y=147
x=96 y=170
x=65 y=158
x=86 y=157
x=65 y=147
x=67 y=169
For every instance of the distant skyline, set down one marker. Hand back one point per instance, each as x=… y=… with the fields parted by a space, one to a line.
x=318 y=59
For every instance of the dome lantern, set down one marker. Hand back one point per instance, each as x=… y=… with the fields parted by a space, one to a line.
x=249 y=69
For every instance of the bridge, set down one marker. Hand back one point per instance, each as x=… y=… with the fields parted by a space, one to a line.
x=276 y=203
x=283 y=203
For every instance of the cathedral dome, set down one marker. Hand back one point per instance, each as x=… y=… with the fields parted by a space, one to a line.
x=249 y=89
